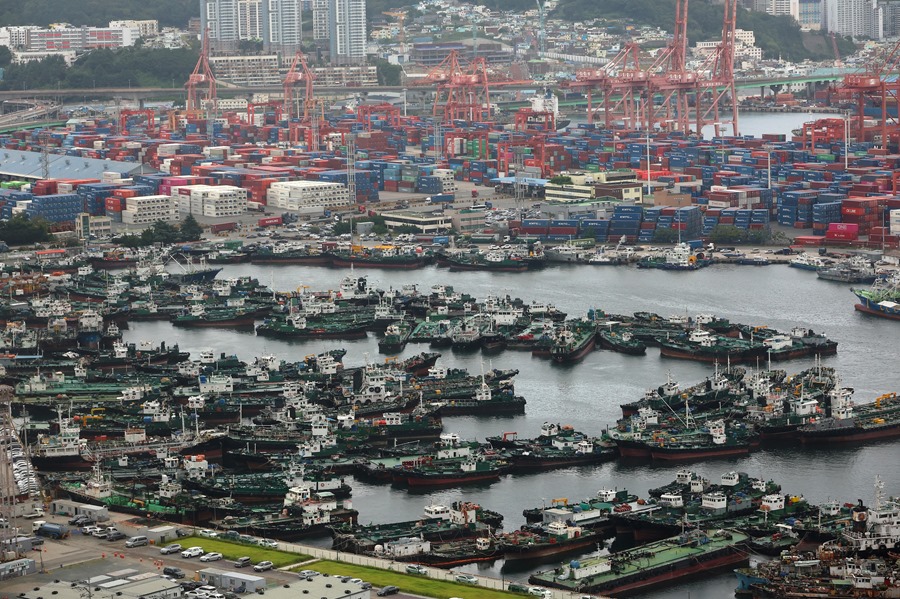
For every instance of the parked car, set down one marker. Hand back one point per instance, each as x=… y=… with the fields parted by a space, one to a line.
x=208 y=533
x=89 y=530
x=212 y=556
x=192 y=552
x=115 y=536
x=170 y=548
x=308 y=573
x=388 y=590
x=263 y=566
x=269 y=543
x=241 y=562
x=466 y=579
x=416 y=569
x=173 y=572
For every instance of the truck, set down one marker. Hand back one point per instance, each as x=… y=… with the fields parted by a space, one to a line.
x=223 y=227
x=269 y=221
x=37 y=513
x=51 y=530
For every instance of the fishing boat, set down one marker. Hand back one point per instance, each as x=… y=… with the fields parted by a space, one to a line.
x=882 y=299
x=805 y=261
x=856 y=269
x=574 y=341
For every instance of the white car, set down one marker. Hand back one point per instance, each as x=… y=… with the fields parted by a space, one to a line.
x=208 y=533
x=192 y=552
x=211 y=557
x=89 y=530
x=269 y=543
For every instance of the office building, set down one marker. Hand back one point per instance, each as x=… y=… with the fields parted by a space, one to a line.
x=282 y=25
x=231 y=21
x=347 y=31
x=855 y=18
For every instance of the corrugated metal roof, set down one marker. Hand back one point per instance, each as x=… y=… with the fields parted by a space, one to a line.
x=27 y=165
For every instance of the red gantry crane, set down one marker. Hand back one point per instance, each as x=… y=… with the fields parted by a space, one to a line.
x=201 y=78
x=298 y=73
x=716 y=96
x=878 y=91
x=671 y=79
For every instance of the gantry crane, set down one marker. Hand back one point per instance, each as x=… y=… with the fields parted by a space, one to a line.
x=876 y=89
x=299 y=72
x=149 y=115
x=716 y=92
x=202 y=77
x=671 y=79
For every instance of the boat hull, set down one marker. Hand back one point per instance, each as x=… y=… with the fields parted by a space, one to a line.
x=890 y=315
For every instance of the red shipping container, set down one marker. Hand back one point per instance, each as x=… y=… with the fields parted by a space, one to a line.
x=269 y=221
x=849 y=227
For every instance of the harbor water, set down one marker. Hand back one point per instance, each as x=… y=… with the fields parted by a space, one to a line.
x=587 y=394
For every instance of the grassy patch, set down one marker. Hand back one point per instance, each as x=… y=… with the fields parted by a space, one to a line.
x=231 y=551
x=417 y=585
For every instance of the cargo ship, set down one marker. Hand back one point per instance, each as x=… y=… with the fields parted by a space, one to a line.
x=654 y=564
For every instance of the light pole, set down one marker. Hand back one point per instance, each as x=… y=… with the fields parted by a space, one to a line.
x=847 y=140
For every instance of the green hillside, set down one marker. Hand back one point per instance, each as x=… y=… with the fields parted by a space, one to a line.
x=173 y=13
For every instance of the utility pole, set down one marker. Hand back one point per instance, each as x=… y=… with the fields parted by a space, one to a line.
x=351 y=167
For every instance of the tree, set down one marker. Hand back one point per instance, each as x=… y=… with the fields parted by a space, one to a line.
x=724 y=234
x=388 y=74
x=561 y=180
x=191 y=229
x=5 y=56
x=22 y=230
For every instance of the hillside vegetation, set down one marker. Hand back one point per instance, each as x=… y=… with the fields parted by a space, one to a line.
x=97 y=13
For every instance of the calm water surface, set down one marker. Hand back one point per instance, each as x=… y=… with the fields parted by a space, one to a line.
x=587 y=395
